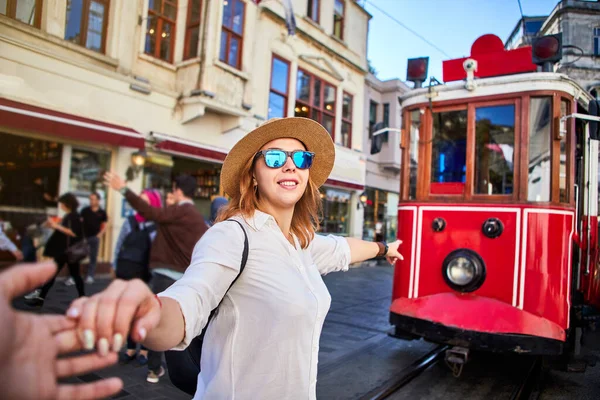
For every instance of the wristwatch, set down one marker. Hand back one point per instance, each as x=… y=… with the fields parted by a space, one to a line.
x=383 y=249
x=123 y=190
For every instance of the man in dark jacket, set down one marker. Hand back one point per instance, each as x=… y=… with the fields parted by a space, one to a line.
x=180 y=226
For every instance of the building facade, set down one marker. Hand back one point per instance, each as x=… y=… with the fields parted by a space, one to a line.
x=380 y=200
x=579 y=22
x=155 y=88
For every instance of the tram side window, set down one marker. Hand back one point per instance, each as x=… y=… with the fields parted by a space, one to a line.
x=415 y=123
x=494 y=149
x=564 y=194
x=449 y=155
x=540 y=135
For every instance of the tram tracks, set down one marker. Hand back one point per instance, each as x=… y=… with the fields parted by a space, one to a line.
x=407 y=375
x=530 y=387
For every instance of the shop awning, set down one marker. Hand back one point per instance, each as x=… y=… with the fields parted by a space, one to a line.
x=345 y=184
x=188 y=148
x=41 y=120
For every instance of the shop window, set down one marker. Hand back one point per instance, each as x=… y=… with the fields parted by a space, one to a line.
x=86 y=23
x=372 y=117
x=336 y=211
x=413 y=153
x=563 y=170
x=449 y=152
x=192 y=29
x=347 y=120
x=160 y=29
x=494 y=149
x=278 y=94
x=315 y=99
x=338 y=19
x=26 y=11
x=86 y=175
x=313 y=10
x=386 y=121
x=232 y=33
x=29 y=180
x=540 y=119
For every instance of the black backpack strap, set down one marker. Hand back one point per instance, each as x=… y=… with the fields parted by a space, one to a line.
x=244 y=253
x=133 y=223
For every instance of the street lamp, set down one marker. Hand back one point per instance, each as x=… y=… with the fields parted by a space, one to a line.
x=138 y=160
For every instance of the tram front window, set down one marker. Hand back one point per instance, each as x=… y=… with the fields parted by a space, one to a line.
x=539 y=179
x=494 y=149
x=449 y=149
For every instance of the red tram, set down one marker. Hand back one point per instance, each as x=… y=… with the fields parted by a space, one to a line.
x=499 y=203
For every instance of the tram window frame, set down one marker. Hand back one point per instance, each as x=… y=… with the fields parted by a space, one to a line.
x=471 y=195
x=558 y=139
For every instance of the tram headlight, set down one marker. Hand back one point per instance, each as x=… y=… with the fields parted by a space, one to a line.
x=463 y=270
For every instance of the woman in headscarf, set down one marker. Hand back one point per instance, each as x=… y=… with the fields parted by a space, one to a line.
x=132 y=254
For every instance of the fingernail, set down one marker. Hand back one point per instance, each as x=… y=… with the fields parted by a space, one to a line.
x=103 y=347
x=73 y=313
x=117 y=342
x=88 y=339
x=142 y=332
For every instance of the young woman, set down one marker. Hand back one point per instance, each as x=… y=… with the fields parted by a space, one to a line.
x=134 y=264
x=66 y=233
x=263 y=343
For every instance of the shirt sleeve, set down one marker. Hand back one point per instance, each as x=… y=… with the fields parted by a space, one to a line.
x=330 y=253
x=6 y=243
x=215 y=264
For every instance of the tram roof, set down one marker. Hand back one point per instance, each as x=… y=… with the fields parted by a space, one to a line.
x=498 y=85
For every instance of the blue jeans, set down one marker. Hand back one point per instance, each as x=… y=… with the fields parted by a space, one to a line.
x=94 y=244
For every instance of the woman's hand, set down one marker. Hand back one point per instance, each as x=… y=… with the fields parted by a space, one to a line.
x=393 y=254
x=51 y=223
x=114 y=181
x=107 y=318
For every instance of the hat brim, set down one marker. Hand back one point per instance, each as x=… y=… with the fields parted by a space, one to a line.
x=314 y=136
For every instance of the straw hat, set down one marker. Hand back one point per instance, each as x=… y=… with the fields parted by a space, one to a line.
x=314 y=136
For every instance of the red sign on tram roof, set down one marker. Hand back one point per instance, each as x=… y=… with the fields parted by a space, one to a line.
x=492 y=60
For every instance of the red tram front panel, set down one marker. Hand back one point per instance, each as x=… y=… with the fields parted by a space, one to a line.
x=527 y=268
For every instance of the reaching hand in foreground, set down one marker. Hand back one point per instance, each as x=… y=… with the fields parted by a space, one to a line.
x=30 y=345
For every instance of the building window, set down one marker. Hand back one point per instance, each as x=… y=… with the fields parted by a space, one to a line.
x=597 y=41
x=86 y=23
x=372 y=117
x=315 y=99
x=347 y=120
x=278 y=94
x=27 y=11
x=160 y=30
x=192 y=29
x=232 y=33
x=338 y=19
x=386 y=121
x=313 y=10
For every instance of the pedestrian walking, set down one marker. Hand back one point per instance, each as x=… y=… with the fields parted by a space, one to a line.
x=132 y=258
x=215 y=206
x=7 y=245
x=95 y=222
x=263 y=341
x=179 y=227
x=64 y=246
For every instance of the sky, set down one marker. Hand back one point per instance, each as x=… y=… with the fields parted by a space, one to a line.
x=451 y=25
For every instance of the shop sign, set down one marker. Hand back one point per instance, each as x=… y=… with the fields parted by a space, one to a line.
x=338 y=196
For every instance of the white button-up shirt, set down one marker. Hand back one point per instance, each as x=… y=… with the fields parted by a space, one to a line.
x=263 y=343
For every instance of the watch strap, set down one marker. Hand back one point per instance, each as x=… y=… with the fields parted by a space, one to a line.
x=383 y=249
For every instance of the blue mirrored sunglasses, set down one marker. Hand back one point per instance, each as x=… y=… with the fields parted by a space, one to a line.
x=276 y=158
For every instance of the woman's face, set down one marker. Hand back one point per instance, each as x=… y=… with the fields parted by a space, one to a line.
x=145 y=197
x=64 y=208
x=282 y=187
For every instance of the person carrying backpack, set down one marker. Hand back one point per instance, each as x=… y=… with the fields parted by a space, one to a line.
x=132 y=257
x=262 y=341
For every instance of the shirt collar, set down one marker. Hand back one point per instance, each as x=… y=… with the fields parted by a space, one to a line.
x=259 y=219
x=182 y=202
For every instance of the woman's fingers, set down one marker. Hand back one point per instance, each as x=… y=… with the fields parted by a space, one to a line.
x=87 y=322
x=74 y=311
x=68 y=341
x=82 y=364
x=87 y=391
x=108 y=303
x=137 y=305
